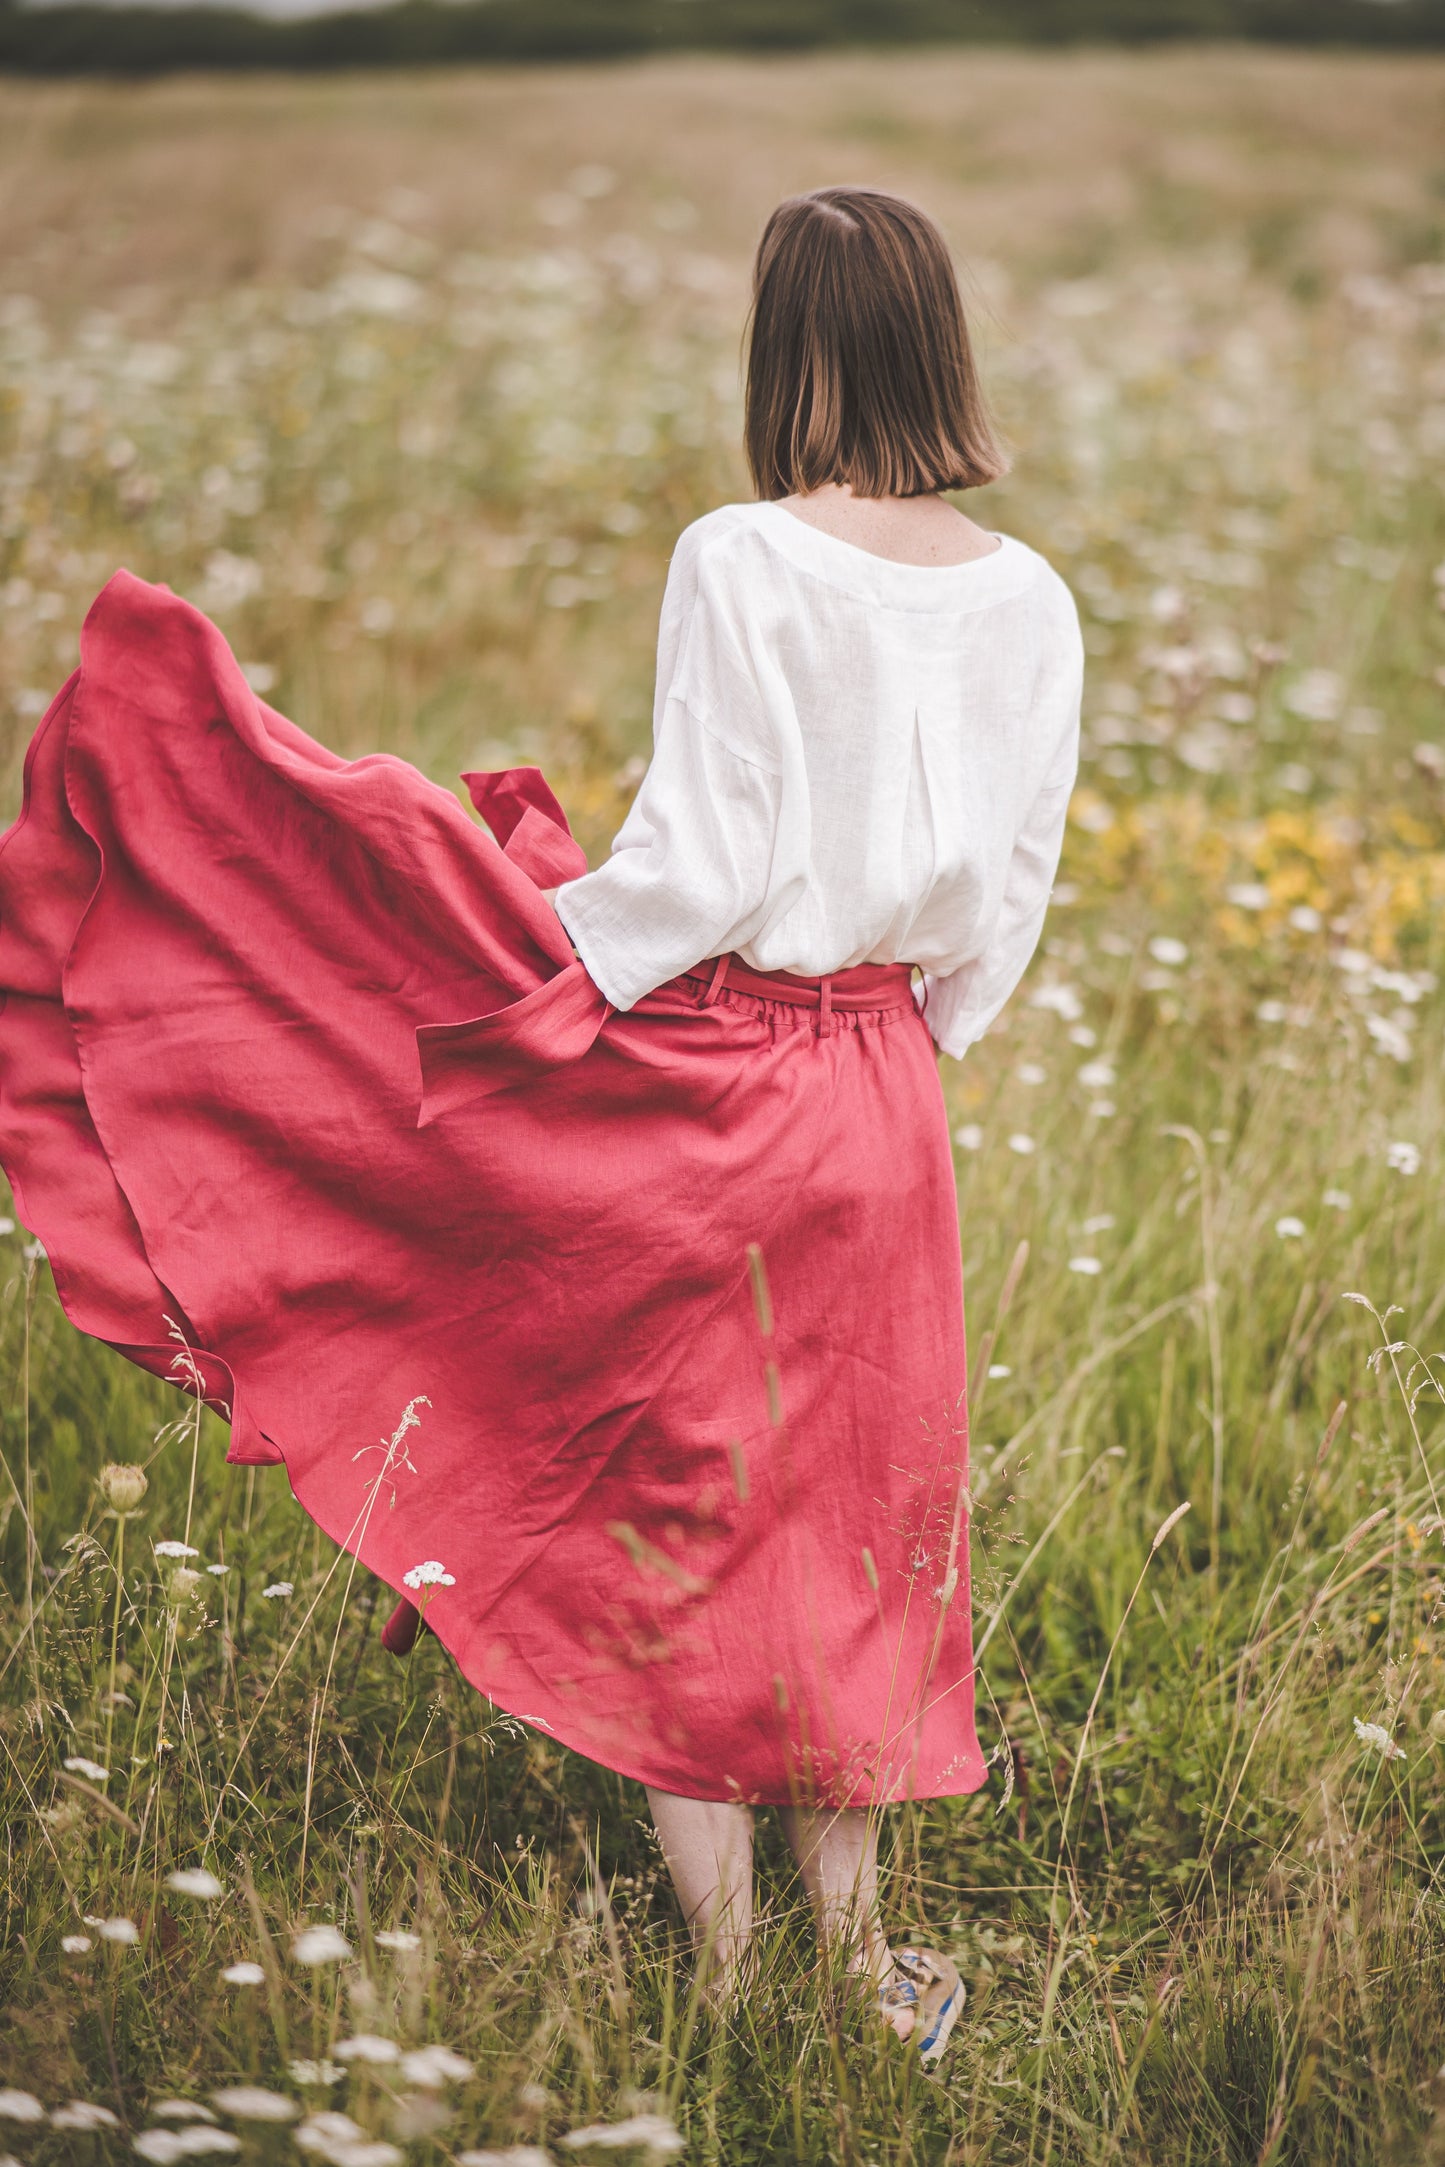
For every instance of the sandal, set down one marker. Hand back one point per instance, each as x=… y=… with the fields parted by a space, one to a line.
x=927 y=1982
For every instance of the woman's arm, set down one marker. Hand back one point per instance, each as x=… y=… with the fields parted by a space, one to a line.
x=691 y=872
x=695 y=869
x=959 y=1006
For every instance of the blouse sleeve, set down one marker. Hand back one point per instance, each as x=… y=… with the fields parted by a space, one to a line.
x=959 y=1006
x=692 y=869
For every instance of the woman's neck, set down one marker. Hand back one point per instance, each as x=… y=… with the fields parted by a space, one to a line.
x=909 y=530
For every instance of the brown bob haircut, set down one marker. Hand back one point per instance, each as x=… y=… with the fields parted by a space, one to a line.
x=860 y=368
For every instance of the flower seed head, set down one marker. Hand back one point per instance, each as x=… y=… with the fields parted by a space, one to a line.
x=122 y=1486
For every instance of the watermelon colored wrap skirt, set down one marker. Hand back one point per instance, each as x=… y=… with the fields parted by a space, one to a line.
x=645 y=1328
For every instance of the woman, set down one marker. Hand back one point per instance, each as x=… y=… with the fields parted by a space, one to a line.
x=586 y=1243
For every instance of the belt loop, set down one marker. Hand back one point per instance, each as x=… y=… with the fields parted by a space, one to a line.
x=717 y=981
x=825 y=1007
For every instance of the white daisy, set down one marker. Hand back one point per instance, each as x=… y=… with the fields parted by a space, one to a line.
x=194 y=1881
x=320 y=1945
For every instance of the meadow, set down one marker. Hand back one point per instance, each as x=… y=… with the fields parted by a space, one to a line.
x=411 y=384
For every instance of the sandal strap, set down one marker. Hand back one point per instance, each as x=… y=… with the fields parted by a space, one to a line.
x=926 y=1965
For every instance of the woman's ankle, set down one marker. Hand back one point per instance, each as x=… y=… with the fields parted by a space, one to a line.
x=722 y=1972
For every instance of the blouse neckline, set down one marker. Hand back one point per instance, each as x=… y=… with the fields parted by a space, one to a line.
x=888 y=579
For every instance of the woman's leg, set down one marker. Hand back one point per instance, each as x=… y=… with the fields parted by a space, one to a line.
x=837 y=1854
x=708 y=1845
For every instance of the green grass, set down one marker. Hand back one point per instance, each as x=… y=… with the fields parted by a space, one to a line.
x=1200 y=1918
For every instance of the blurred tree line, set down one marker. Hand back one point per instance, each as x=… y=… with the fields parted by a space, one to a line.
x=78 y=39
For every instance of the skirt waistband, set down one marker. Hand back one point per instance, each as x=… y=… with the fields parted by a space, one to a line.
x=865 y=986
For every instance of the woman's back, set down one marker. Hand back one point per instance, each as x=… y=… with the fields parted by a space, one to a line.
x=857 y=760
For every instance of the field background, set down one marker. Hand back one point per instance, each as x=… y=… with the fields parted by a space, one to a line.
x=412 y=381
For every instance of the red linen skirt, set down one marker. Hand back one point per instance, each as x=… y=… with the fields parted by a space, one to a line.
x=645 y=1329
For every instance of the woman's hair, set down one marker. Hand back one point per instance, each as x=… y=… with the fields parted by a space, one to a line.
x=859 y=363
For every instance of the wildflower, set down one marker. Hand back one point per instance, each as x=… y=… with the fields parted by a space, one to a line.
x=429 y=1574
x=244 y=1974
x=653 y=2130
x=83 y=2114
x=1087 y=1267
x=1289 y=1228
x=1030 y=1072
x=1097 y=1075
x=515 y=2155
x=418 y=2115
x=80 y=1766
x=1247 y=895
x=1081 y=1035
x=320 y=1945
x=180 y=2110
x=1378 y=1739
x=122 y=1486
x=1403 y=1157
x=308 y=2072
x=194 y=1881
x=184 y=1582
x=969 y=1137
x=174 y=1550
x=435 y=2066
x=1165 y=949
x=327 y=2130
x=253 y=2103
x=277 y=1590
x=1316 y=696
x=335 y=2137
x=1062 y=1000
x=1305 y=918
x=1101 y=1223
x=229 y=581
x=368 y=2047
x=395 y=1937
x=1391 y=1037
x=162 y=2147
x=1337 y=1199
x=1022 y=1144
x=123 y=1931
x=999 y=1369
x=218 y=1572
x=20 y=2107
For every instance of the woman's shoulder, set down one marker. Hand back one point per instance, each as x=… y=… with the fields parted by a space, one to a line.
x=715 y=531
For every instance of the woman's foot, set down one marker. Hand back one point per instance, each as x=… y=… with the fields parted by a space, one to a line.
x=922 y=1999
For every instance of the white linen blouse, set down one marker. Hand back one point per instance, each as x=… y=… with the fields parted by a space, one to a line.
x=854 y=761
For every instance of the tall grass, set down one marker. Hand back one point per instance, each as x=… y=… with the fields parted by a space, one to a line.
x=428 y=490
